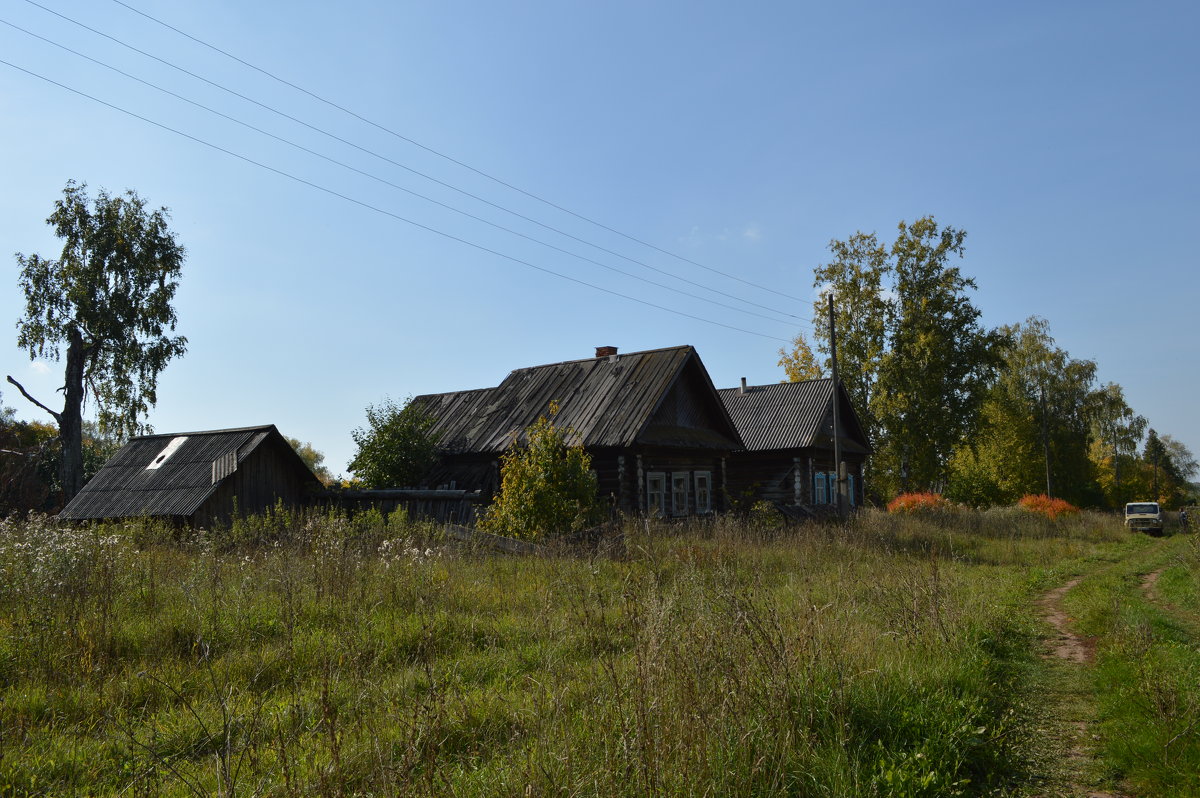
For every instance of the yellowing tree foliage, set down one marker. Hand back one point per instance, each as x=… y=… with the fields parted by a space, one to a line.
x=799 y=363
x=546 y=484
x=313 y=458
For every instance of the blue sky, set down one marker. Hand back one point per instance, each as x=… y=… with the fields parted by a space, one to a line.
x=1061 y=136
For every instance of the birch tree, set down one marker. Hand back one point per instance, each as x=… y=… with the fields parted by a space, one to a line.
x=106 y=305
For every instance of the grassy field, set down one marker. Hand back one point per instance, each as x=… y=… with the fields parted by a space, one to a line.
x=1144 y=613
x=317 y=656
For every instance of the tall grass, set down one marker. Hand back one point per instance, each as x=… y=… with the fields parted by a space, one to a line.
x=317 y=655
x=1148 y=665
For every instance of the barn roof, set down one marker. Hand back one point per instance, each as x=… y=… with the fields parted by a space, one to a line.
x=166 y=475
x=792 y=415
x=608 y=401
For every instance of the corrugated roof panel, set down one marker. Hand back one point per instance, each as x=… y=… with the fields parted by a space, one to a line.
x=788 y=415
x=177 y=487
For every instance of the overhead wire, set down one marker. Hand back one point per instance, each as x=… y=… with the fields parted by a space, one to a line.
x=384 y=211
x=446 y=157
x=403 y=166
x=386 y=182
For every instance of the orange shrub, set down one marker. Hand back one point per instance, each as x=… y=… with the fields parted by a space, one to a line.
x=917 y=503
x=1043 y=505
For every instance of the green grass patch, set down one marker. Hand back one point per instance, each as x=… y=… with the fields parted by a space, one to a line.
x=1147 y=673
x=314 y=656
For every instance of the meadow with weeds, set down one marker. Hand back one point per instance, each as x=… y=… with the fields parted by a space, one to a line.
x=310 y=654
x=1144 y=613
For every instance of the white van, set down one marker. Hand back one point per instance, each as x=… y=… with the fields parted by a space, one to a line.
x=1144 y=517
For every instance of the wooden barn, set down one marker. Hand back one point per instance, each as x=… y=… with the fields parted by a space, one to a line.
x=658 y=433
x=198 y=478
x=787 y=429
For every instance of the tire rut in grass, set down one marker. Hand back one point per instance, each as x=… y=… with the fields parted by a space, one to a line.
x=1068 y=712
x=1187 y=618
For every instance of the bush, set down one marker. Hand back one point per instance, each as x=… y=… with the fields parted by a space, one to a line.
x=918 y=503
x=546 y=485
x=1043 y=505
x=397 y=448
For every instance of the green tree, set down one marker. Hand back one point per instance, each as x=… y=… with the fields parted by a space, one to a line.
x=397 y=448
x=1019 y=430
x=108 y=300
x=1156 y=456
x=932 y=379
x=546 y=484
x=799 y=363
x=29 y=456
x=1116 y=433
x=1183 y=463
x=312 y=458
x=859 y=277
x=1169 y=465
x=911 y=352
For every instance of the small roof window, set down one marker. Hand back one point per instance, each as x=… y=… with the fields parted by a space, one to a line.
x=166 y=453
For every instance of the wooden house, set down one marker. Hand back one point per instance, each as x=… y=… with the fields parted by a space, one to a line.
x=198 y=478
x=787 y=429
x=658 y=434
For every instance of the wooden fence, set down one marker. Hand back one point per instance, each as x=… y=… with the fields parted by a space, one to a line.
x=439 y=506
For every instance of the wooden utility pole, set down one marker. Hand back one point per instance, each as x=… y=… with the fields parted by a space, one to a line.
x=1046 y=440
x=837 y=427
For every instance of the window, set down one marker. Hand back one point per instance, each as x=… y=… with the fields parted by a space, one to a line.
x=166 y=453
x=825 y=488
x=679 y=493
x=703 y=491
x=656 y=492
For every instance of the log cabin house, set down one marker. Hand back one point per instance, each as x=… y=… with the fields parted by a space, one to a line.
x=787 y=429
x=658 y=434
x=661 y=437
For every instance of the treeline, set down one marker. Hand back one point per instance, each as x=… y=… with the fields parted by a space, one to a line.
x=984 y=416
x=31 y=462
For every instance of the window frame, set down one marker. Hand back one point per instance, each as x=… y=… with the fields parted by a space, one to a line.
x=679 y=478
x=661 y=504
x=705 y=507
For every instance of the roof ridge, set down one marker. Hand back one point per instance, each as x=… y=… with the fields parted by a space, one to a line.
x=196 y=433
x=619 y=355
x=453 y=393
x=774 y=384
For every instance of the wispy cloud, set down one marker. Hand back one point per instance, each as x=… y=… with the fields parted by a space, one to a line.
x=38 y=367
x=753 y=232
x=693 y=238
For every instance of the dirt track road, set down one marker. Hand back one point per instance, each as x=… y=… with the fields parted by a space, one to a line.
x=1070 y=707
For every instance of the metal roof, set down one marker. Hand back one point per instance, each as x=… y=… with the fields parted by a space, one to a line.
x=608 y=401
x=791 y=415
x=127 y=487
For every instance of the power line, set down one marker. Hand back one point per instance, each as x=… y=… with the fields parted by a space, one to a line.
x=398 y=164
x=446 y=157
x=386 y=182
x=383 y=211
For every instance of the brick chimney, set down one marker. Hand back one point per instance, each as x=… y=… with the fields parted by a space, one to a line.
x=606 y=351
